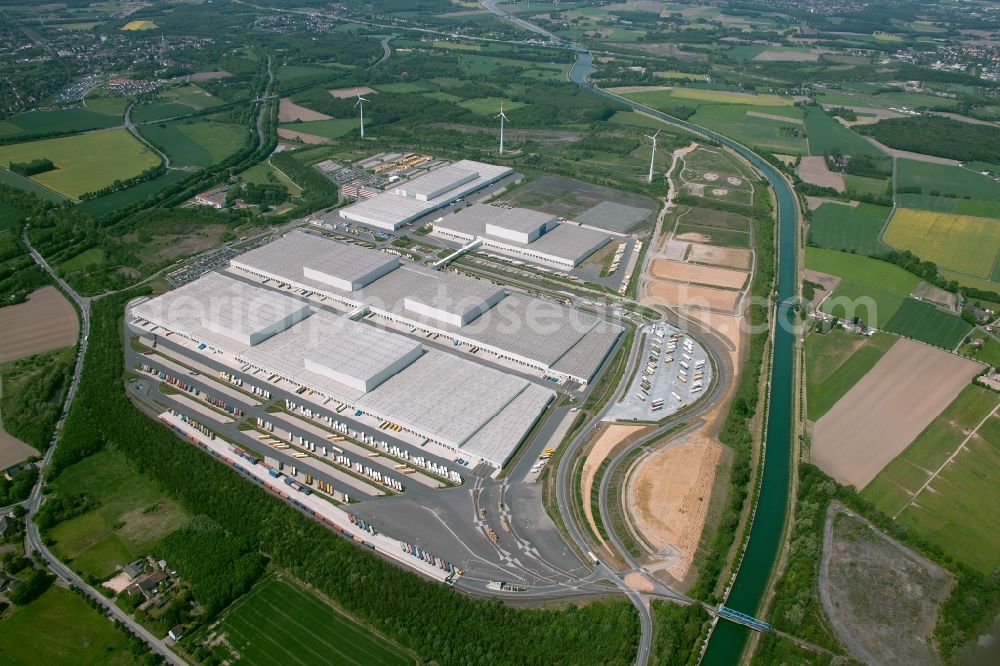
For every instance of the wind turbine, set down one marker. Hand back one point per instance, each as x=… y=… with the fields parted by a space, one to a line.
x=653 y=156
x=502 y=118
x=361 y=104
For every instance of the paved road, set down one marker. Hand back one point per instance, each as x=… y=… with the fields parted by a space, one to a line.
x=33 y=541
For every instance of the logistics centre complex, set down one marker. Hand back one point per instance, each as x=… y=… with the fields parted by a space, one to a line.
x=305 y=307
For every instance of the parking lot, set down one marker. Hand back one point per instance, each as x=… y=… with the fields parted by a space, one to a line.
x=674 y=371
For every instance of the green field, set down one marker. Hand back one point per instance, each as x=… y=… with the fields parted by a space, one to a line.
x=443 y=96
x=941 y=180
x=958 y=242
x=861 y=270
x=292 y=72
x=331 y=129
x=130 y=195
x=159 y=110
x=61 y=121
x=60 y=628
x=299 y=627
x=835 y=362
x=489 y=105
x=861 y=186
x=840 y=227
x=960 y=509
x=109 y=106
x=28 y=185
x=922 y=321
x=827 y=135
x=195 y=142
x=193 y=96
x=132 y=515
x=92 y=257
x=408 y=87
x=950 y=205
x=873 y=305
x=84 y=162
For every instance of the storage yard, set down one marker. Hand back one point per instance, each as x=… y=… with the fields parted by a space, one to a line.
x=676 y=373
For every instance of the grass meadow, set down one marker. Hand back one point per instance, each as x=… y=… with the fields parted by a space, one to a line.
x=840 y=227
x=84 y=162
x=835 y=362
x=960 y=509
x=959 y=242
x=298 y=627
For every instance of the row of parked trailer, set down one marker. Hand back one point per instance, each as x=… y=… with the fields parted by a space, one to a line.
x=236 y=381
x=338 y=456
x=380 y=444
x=176 y=382
x=431 y=559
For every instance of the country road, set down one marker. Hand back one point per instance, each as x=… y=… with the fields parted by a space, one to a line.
x=33 y=540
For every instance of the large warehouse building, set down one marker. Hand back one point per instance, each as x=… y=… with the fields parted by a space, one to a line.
x=539 y=334
x=412 y=199
x=522 y=233
x=463 y=405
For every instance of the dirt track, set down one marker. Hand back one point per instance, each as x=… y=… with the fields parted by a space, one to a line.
x=887 y=409
x=46 y=322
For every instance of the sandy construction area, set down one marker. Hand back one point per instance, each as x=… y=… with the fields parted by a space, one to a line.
x=608 y=440
x=887 y=409
x=692 y=297
x=289 y=111
x=670 y=493
x=815 y=202
x=813 y=169
x=311 y=139
x=731 y=257
x=682 y=272
x=674 y=250
x=344 y=93
x=46 y=322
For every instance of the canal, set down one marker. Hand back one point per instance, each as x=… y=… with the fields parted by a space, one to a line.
x=728 y=640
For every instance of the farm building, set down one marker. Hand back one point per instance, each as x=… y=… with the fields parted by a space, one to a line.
x=463 y=405
x=414 y=198
x=538 y=334
x=522 y=233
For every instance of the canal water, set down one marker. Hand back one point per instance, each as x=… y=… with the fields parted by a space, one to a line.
x=728 y=640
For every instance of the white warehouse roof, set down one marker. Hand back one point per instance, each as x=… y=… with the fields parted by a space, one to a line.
x=386 y=210
x=436 y=183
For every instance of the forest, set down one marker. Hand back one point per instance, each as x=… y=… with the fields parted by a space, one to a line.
x=942 y=137
x=434 y=620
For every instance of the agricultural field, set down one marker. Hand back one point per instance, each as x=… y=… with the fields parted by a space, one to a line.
x=873 y=305
x=84 y=162
x=148 y=113
x=924 y=322
x=92 y=257
x=958 y=508
x=140 y=25
x=961 y=243
x=851 y=229
x=944 y=180
x=835 y=362
x=886 y=409
x=331 y=129
x=300 y=626
x=60 y=121
x=861 y=270
x=291 y=72
x=196 y=143
x=950 y=205
x=407 y=87
x=704 y=225
x=489 y=105
x=826 y=136
x=131 y=516
x=46 y=321
x=192 y=96
x=28 y=185
x=63 y=630
x=863 y=186
x=131 y=195
x=109 y=106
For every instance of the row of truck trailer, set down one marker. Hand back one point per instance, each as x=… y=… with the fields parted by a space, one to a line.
x=176 y=382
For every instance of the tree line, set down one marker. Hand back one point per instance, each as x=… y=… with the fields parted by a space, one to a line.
x=942 y=137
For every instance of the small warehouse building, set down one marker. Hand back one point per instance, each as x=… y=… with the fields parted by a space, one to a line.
x=415 y=198
x=523 y=234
